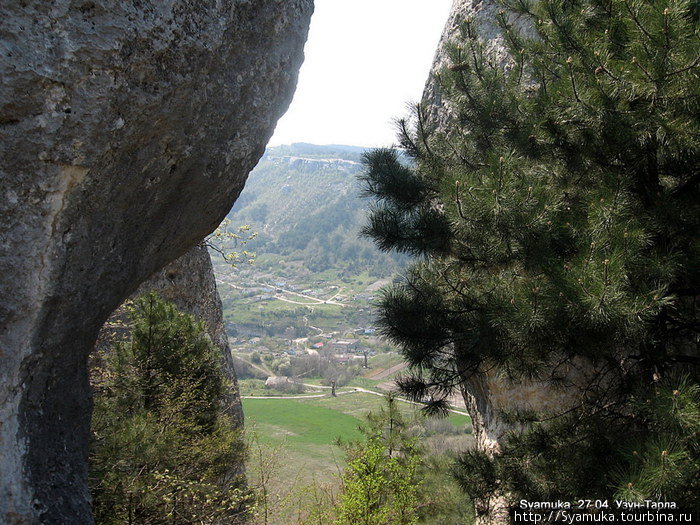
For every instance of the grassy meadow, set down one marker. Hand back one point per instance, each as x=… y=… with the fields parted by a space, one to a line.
x=294 y=443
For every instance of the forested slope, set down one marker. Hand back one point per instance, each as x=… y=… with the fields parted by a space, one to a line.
x=304 y=202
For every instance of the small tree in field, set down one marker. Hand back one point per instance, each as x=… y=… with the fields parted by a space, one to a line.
x=163 y=450
x=557 y=221
x=382 y=479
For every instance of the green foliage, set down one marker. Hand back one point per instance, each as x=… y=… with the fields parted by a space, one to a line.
x=163 y=450
x=382 y=479
x=223 y=239
x=659 y=463
x=665 y=461
x=389 y=425
x=379 y=489
x=304 y=201
x=557 y=220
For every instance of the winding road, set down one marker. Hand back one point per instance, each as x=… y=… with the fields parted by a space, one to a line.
x=354 y=390
x=313 y=301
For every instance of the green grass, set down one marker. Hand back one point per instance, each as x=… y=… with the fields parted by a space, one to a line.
x=282 y=307
x=256 y=387
x=458 y=420
x=302 y=433
x=247 y=312
x=303 y=425
x=313 y=380
x=358 y=405
x=300 y=423
x=363 y=382
x=383 y=361
x=298 y=436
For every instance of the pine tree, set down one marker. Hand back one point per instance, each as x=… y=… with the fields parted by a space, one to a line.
x=382 y=478
x=556 y=221
x=163 y=449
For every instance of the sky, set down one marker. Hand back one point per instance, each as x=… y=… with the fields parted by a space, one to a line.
x=365 y=61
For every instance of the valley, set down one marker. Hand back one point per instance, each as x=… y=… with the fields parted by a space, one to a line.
x=300 y=322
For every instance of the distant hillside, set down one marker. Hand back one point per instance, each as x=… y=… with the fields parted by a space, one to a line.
x=303 y=200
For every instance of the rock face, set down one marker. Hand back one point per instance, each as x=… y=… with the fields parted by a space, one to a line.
x=127 y=131
x=489 y=395
x=190 y=284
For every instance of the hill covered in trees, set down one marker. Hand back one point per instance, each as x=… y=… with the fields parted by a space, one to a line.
x=304 y=203
x=312 y=272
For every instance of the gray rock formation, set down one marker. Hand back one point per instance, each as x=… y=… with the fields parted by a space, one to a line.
x=483 y=13
x=127 y=130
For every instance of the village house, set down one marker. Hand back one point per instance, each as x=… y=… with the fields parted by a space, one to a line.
x=343 y=346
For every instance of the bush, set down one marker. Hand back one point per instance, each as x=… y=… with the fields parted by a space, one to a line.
x=162 y=448
x=288 y=387
x=245 y=371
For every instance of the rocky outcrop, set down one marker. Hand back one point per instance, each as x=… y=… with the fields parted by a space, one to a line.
x=461 y=10
x=127 y=131
x=483 y=13
x=490 y=395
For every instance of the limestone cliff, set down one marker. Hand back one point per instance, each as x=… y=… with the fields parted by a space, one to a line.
x=127 y=130
x=484 y=13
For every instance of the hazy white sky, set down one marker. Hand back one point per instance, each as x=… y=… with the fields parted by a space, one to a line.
x=365 y=59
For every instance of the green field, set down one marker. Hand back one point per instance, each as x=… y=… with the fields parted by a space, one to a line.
x=295 y=441
x=306 y=429
x=358 y=405
x=321 y=420
x=299 y=423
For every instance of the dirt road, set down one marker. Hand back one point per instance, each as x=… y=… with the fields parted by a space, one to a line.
x=382 y=374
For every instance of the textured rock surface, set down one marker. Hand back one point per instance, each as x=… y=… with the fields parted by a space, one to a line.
x=126 y=132
x=483 y=13
x=190 y=284
x=488 y=395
